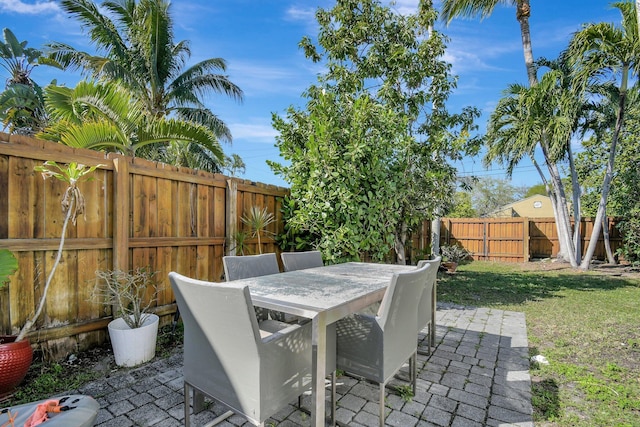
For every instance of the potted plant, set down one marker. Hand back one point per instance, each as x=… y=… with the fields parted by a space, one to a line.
x=134 y=330
x=15 y=359
x=15 y=350
x=452 y=256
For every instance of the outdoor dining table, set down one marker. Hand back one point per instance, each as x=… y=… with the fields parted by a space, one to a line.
x=325 y=295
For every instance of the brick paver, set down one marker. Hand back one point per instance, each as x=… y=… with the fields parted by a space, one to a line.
x=478 y=375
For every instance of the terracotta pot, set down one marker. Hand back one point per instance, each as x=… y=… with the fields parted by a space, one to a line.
x=15 y=359
x=450 y=266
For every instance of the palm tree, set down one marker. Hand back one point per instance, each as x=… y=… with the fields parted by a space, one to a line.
x=473 y=8
x=607 y=52
x=139 y=51
x=21 y=104
x=258 y=220
x=550 y=112
x=484 y=8
x=18 y=59
x=107 y=117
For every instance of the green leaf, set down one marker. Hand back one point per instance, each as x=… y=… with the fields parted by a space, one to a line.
x=8 y=266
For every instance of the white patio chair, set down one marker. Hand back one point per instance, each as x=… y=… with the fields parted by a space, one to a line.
x=244 y=267
x=426 y=311
x=230 y=357
x=376 y=347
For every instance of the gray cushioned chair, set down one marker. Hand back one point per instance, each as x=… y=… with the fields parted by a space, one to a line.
x=426 y=312
x=244 y=267
x=300 y=260
x=376 y=347
x=230 y=358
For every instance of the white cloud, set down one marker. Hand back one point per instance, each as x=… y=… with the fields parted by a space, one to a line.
x=253 y=132
x=21 y=7
x=296 y=13
x=258 y=78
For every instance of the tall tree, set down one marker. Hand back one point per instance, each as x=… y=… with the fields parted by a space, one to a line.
x=543 y=115
x=483 y=8
x=605 y=52
x=136 y=47
x=395 y=62
x=341 y=173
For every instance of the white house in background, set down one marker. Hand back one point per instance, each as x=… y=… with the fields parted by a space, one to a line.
x=537 y=206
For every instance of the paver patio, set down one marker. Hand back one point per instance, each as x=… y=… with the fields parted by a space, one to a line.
x=478 y=375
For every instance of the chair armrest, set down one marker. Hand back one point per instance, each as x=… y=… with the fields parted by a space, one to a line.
x=281 y=333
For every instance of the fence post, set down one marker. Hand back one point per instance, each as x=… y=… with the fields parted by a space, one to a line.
x=121 y=210
x=485 y=244
x=231 y=214
x=525 y=237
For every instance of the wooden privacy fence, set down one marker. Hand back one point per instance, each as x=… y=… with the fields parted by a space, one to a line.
x=517 y=239
x=146 y=214
x=137 y=214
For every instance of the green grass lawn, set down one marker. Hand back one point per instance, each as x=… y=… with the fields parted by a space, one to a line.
x=587 y=324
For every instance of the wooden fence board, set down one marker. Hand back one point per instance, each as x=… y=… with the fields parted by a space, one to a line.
x=516 y=239
x=4 y=203
x=137 y=213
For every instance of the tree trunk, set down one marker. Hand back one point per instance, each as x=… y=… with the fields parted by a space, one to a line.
x=638 y=16
x=597 y=225
x=607 y=242
x=563 y=223
x=551 y=192
x=577 y=218
x=400 y=245
x=523 y=11
x=26 y=328
x=435 y=236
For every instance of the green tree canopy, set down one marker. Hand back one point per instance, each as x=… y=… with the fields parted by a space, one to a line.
x=537 y=189
x=385 y=71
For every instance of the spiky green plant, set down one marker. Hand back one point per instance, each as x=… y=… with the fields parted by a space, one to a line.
x=258 y=220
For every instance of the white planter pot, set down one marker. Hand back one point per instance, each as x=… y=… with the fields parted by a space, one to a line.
x=132 y=347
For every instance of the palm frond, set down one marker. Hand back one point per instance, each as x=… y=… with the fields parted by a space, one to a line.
x=206 y=118
x=469 y=8
x=97 y=135
x=102 y=31
x=200 y=78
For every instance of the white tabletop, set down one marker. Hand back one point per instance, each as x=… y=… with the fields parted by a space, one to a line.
x=307 y=292
x=324 y=294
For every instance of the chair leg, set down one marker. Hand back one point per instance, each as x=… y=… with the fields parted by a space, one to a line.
x=414 y=371
x=333 y=398
x=381 y=403
x=187 y=404
x=429 y=340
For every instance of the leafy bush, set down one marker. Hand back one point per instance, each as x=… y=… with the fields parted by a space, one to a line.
x=630 y=229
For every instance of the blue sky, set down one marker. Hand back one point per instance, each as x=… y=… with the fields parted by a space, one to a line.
x=259 y=40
